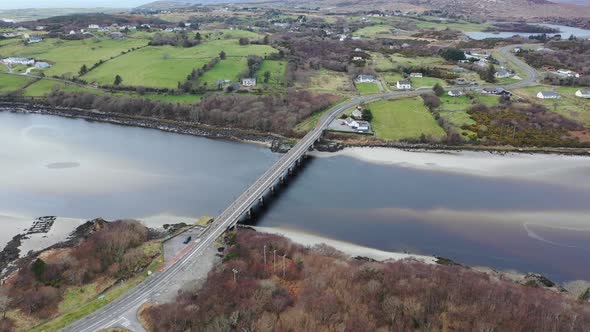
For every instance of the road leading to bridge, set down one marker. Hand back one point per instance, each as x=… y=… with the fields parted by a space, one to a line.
x=132 y=300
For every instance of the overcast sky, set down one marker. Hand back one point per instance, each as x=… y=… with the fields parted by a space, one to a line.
x=16 y=4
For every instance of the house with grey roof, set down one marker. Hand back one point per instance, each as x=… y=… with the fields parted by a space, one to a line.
x=548 y=95
x=365 y=79
x=404 y=85
x=357 y=114
x=583 y=94
x=455 y=93
x=503 y=74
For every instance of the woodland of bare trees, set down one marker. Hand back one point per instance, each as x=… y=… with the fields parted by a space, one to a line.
x=522 y=125
x=320 y=290
x=563 y=54
x=269 y=113
x=111 y=251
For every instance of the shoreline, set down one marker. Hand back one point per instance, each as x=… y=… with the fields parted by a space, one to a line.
x=275 y=142
x=573 y=287
x=192 y=129
x=348 y=248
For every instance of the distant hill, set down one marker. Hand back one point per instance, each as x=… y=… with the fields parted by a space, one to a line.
x=574 y=2
x=508 y=9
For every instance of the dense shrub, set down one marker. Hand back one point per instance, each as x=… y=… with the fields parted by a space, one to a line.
x=323 y=291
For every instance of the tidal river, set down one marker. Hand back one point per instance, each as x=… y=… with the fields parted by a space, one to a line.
x=516 y=212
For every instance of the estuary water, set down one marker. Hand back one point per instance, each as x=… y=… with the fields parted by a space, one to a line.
x=564 y=31
x=515 y=212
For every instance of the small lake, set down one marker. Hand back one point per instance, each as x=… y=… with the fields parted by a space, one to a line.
x=533 y=218
x=565 y=32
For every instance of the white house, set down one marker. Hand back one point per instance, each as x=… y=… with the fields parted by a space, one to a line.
x=548 y=95
x=455 y=93
x=72 y=32
x=357 y=58
x=567 y=73
x=583 y=94
x=352 y=123
x=19 y=61
x=502 y=74
x=357 y=114
x=248 y=82
x=93 y=27
x=416 y=75
x=366 y=79
x=404 y=85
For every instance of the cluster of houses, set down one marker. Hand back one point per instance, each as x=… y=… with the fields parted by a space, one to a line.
x=400 y=85
x=26 y=62
x=554 y=95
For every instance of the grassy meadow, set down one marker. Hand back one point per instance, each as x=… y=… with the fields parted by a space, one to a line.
x=67 y=56
x=10 y=83
x=405 y=118
x=165 y=66
x=367 y=88
x=276 y=68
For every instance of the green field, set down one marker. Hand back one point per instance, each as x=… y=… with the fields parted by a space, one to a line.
x=373 y=31
x=10 y=83
x=44 y=86
x=426 y=82
x=276 y=68
x=416 y=61
x=68 y=56
x=391 y=78
x=165 y=66
x=367 y=88
x=229 y=69
x=328 y=81
x=462 y=103
x=405 y=118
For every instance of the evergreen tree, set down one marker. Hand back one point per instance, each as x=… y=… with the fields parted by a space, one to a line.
x=83 y=70
x=118 y=80
x=222 y=55
x=438 y=90
x=266 y=76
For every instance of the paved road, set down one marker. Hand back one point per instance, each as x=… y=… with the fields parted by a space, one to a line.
x=112 y=313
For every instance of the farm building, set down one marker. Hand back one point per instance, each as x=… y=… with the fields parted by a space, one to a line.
x=583 y=93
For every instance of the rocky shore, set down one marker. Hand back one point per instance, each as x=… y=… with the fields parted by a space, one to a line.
x=151 y=123
x=277 y=143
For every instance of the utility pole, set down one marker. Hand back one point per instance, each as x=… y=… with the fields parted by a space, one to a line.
x=284 y=255
x=265 y=256
x=235 y=273
x=274 y=264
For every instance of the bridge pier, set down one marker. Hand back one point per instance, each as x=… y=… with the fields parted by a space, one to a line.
x=282 y=180
x=290 y=170
x=249 y=213
x=272 y=190
x=261 y=201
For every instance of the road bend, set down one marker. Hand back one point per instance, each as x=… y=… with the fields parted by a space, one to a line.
x=108 y=315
